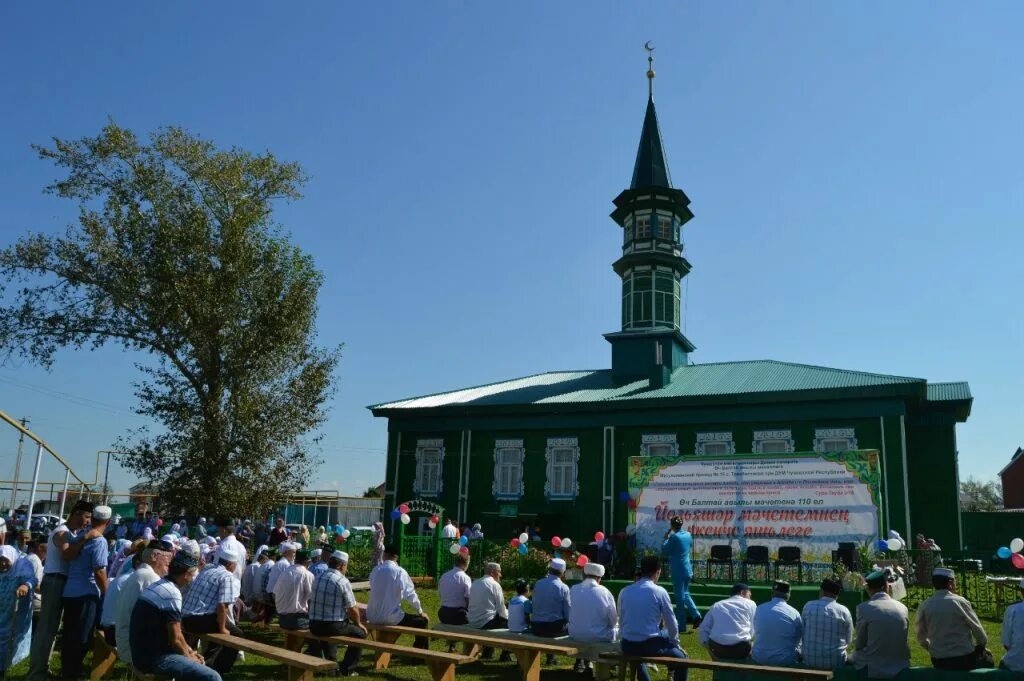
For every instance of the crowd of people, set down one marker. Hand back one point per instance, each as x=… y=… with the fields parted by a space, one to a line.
x=152 y=597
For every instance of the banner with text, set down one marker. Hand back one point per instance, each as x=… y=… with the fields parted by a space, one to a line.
x=813 y=501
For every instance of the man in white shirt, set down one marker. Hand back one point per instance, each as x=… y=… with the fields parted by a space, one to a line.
x=156 y=561
x=390 y=585
x=828 y=628
x=1013 y=636
x=287 y=551
x=108 y=613
x=449 y=531
x=593 y=617
x=728 y=626
x=453 y=590
x=487 y=605
x=292 y=593
x=643 y=607
x=228 y=541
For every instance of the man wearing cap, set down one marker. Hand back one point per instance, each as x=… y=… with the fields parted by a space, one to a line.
x=208 y=607
x=291 y=594
x=156 y=635
x=487 y=605
x=677 y=547
x=317 y=565
x=83 y=592
x=593 y=617
x=154 y=564
x=882 y=625
x=63 y=545
x=551 y=601
x=228 y=541
x=728 y=626
x=1013 y=635
x=389 y=586
x=948 y=628
x=333 y=612
x=287 y=556
x=643 y=607
x=777 y=630
x=828 y=628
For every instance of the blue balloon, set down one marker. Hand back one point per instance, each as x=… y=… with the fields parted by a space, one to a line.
x=396 y=514
x=1004 y=552
x=623 y=496
x=882 y=545
x=522 y=549
x=341 y=528
x=463 y=540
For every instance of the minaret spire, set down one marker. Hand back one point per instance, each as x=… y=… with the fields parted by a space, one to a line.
x=650 y=69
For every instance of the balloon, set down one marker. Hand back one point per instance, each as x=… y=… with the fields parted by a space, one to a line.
x=340 y=538
x=522 y=549
x=432 y=524
x=396 y=514
x=582 y=560
x=556 y=542
x=894 y=544
x=882 y=545
x=631 y=503
x=599 y=536
x=404 y=508
x=1004 y=552
x=1017 y=545
x=623 y=496
x=566 y=543
x=464 y=549
x=405 y=518
x=515 y=542
x=435 y=519
x=463 y=540
x=523 y=538
x=346 y=534
x=1018 y=561
x=453 y=549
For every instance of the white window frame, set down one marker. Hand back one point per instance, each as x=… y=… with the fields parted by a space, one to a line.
x=559 y=444
x=643 y=227
x=516 y=490
x=709 y=442
x=829 y=440
x=780 y=440
x=659 y=444
x=424 y=447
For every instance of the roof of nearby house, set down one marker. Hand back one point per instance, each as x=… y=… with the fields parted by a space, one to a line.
x=750 y=381
x=1017 y=456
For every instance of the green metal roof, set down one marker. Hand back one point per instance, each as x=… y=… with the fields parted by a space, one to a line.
x=722 y=380
x=949 y=392
x=651 y=168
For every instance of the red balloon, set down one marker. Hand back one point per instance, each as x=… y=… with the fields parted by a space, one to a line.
x=340 y=538
x=464 y=549
x=435 y=519
x=631 y=503
x=582 y=560
x=404 y=508
x=599 y=536
x=515 y=542
x=556 y=542
x=1018 y=561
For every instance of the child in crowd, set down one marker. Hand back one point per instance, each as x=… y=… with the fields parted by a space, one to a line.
x=520 y=608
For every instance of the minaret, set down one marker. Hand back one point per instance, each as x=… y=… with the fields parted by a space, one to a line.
x=652 y=214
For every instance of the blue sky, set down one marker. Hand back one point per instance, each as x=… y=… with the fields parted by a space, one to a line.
x=855 y=171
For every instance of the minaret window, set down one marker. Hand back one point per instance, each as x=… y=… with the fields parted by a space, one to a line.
x=666 y=299
x=643 y=227
x=664 y=227
x=642 y=302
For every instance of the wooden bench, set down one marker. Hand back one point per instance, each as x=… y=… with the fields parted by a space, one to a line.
x=632 y=662
x=528 y=651
x=300 y=667
x=104 y=656
x=441 y=665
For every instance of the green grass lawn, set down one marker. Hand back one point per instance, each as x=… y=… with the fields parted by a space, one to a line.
x=410 y=670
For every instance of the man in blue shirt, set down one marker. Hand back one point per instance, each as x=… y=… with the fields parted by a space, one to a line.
x=643 y=607
x=85 y=586
x=777 y=629
x=677 y=547
x=551 y=604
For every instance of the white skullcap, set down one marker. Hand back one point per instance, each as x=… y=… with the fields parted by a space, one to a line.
x=288 y=546
x=340 y=555
x=943 y=572
x=102 y=513
x=170 y=537
x=316 y=553
x=557 y=564
x=296 y=546
x=593 y=570
x=229 y=553
x=202 y=520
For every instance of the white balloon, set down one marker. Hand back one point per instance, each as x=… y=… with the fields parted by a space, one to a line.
x=894 y=544
x=454 y=548
x=566 y=543
x=1016 y=545
x=347 y=533
x=432 y=524
x=405 y=518
x=523 y=538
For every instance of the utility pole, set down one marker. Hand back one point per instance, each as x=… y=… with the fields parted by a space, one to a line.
x=106 y=477
x=17 y=466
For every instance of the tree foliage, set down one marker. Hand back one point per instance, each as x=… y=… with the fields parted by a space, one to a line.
x=176 y=254
x=976 y=495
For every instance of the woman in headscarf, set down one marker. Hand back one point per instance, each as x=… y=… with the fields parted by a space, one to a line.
x=147 y=534
x=17 y=581
x=321 y=537
x=118 y=558
x=378 y=544
x=305 y=536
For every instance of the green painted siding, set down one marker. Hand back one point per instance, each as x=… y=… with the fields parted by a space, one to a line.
x=934 y=499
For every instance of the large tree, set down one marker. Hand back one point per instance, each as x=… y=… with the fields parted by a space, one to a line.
x=176 y=254
x=979 y=495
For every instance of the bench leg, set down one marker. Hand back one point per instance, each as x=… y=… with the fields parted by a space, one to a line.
x=383 y=658
x=441 y=671
x=529 y=664
x=602 y=671
x=103 y=658
x=295 y=674
x=471 y=649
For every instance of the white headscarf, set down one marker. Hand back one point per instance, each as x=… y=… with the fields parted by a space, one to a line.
x=147 y=534
x=259 y=552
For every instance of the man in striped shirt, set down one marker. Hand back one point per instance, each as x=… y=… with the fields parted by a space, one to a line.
x=828 y=628
x=333 y=612
x=209 y=605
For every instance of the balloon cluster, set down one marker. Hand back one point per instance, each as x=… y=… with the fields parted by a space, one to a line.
x=342 y=533
x=1013 y=552
x=459 y=546
x=519 y=543
x=893 y=543
x=402 y=513
x=627 y=499
x=434 y=520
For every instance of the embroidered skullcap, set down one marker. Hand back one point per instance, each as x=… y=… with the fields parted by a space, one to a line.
x=593 y=569
x=102 y=513
x=340 y=555
x=557 y=564
x=943 y=572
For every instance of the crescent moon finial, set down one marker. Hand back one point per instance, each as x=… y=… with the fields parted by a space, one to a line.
x=650 y=68
x=648 y=46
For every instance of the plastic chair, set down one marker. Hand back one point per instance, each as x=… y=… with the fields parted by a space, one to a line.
x=721 y=554
x=757 y=555
x=789 y=556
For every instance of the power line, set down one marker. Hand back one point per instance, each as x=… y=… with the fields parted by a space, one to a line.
x=68 y=397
